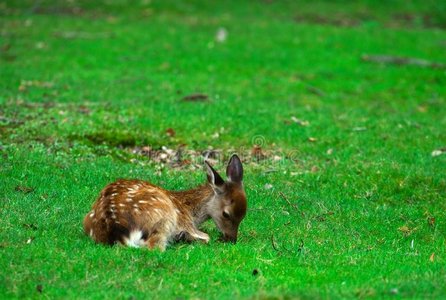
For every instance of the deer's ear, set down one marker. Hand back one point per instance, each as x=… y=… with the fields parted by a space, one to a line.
x=213 y=177
x=234 y=171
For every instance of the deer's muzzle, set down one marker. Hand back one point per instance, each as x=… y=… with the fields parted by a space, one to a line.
x=231 y=238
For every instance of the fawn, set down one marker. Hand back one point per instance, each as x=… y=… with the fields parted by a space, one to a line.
x=137 y=213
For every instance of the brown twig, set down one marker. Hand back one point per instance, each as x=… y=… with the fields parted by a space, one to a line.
x=288 y=201
x=273 y=243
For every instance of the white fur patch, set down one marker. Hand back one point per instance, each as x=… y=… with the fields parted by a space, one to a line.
x=201 y=236
x=135 y=239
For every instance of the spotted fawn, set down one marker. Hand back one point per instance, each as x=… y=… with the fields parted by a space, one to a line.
x=137 y=213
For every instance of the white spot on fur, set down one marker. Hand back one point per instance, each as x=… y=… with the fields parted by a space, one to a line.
x=92 y=215
x=129 y=200
x=201 y=236
x=91 y=232
x=135 y=205
x=121 y=204
x=143 y=201
x=135 y=239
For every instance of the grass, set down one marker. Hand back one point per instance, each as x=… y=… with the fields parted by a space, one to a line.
x=356 y=208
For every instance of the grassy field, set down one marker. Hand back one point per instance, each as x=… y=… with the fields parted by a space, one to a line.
x=345 y=159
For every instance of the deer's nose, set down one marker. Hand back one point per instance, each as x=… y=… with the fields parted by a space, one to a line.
x=229 y=238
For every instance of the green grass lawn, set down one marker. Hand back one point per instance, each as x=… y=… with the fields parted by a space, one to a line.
x=351 y=203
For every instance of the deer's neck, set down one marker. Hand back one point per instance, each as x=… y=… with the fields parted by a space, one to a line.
x=195 y=201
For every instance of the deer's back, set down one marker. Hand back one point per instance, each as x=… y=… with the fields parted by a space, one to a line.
x=129 y=212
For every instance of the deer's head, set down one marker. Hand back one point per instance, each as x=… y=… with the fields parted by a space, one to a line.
x=228 y=207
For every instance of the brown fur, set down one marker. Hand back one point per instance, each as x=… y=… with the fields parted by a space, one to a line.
x=138 y=213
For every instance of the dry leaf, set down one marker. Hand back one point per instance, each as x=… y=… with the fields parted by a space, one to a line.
x=431 y=221
x=432 y=257
x=84 y=110
x=221 y=35
x=404 y=229
x=25 y=84
x=299 y=121
x=438 y=152
x=422 y=108
x=170 y=132
x=268 y=186
x=24 y=189
x=196 y=98
x=312 y=139
x=257 y=152
x=277 y=157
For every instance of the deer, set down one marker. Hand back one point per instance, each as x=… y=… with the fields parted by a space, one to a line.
x=137 y=213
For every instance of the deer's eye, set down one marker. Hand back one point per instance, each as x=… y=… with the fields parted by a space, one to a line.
x=225 y=215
